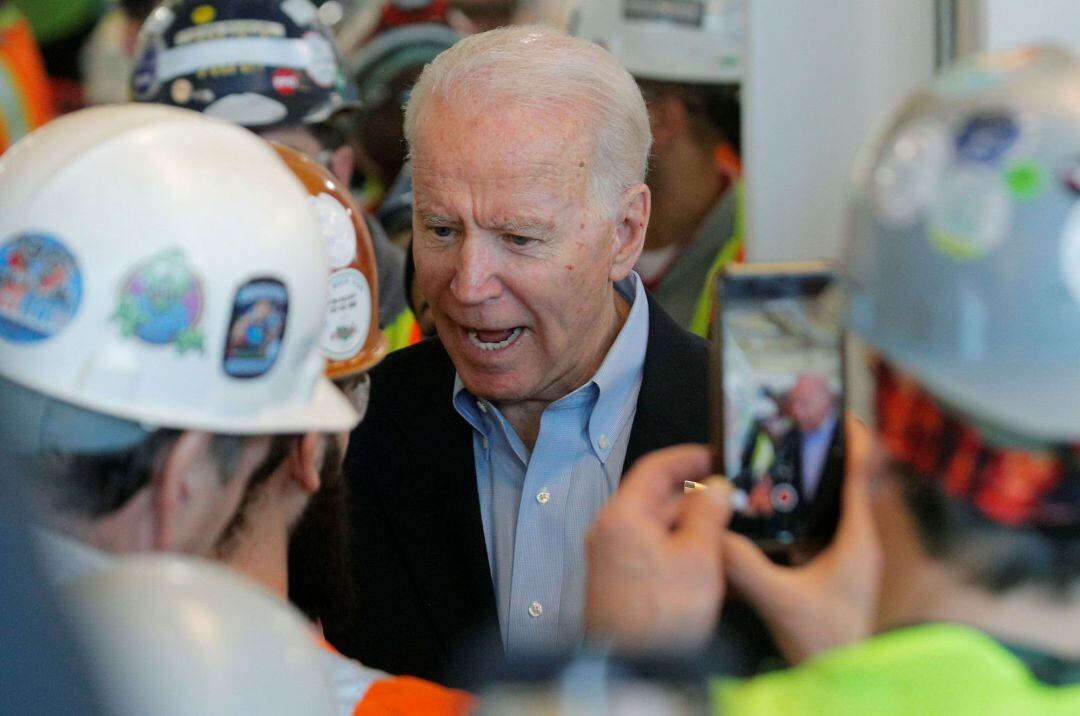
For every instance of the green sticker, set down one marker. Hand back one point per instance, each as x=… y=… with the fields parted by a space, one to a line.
x=1025 y=180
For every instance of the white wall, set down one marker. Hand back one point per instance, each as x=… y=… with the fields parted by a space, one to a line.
x=821 y=74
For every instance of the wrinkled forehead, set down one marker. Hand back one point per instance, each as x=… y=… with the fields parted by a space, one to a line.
x=501 y=142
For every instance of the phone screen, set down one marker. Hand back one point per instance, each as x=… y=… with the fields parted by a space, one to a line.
x=781 y=382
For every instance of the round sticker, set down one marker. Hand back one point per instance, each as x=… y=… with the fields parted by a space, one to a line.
x=973 y=213
x=1070 y=253
x=40 y=287
x=348 y=315
x=337 y=230
x=1025 y=180
x=322 y=63
x=784 y=497
x=203 y=14
x=181 y=90
x=909 y=172
x=161 y=303
x=986 y=136
x=285 y=81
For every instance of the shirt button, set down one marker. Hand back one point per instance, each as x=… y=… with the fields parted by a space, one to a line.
x=480 y=404
x=543 y=496
x=484 y=442
x=603 y=442
x=536 y=609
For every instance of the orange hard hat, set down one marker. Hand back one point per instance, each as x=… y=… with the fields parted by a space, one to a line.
x=352 y=340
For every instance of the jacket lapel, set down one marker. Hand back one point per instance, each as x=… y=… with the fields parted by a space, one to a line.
x=434 y=508
x=672 y=403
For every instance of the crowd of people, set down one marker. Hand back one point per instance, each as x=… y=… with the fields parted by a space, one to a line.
x=352 y=357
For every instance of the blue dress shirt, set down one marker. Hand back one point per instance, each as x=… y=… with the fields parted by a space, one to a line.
x=536 y=508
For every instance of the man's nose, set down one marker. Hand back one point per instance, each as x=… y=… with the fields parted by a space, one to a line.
x=476 y=276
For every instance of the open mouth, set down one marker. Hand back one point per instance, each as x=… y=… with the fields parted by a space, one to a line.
x=494 y=340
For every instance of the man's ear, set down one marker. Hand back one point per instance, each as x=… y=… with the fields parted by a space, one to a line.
x=172 y=497
x=630 y=225
x=341 y=163
x=304 y=460
x=668 y=118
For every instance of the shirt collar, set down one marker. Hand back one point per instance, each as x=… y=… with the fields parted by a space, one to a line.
x=616 y=380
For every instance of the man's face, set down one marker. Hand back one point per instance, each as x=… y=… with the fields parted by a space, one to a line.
x=514 y=260
x=811 y=402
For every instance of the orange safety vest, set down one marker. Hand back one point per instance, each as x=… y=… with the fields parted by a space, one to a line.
x=25 y=103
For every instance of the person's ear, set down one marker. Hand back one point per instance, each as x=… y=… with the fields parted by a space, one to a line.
x=304 y=460
x=630 y=226
x=174 y=496
x=341 y=163
x=668 y=118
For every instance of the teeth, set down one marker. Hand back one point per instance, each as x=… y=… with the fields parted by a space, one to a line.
x=475 y=338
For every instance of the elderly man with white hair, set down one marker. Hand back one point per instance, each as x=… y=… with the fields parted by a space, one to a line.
x=487 y=452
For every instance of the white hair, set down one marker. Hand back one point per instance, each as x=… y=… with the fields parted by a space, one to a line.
x=543 y=69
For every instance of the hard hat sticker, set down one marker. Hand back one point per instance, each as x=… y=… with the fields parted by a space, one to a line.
x=40 y=287
x=909 y=172
x=348 y=315
x=784 y=497
x=322 y=65
x=337 y=230
x=257 y=328
x=986 y=136
x=1026 y=180
x=248 y=108
x=1070 y=253
x=203 y=14
x=161 y=303
x=302 y=12
x=973 y=213
x=144 y=77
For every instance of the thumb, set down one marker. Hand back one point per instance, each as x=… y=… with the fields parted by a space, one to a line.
x=750 y=572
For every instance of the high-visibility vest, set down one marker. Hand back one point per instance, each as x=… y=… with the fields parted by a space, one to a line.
x=25 y=103
x=930 y=670
x=732 y=252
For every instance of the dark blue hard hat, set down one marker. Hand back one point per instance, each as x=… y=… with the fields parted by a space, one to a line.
x=259 y=63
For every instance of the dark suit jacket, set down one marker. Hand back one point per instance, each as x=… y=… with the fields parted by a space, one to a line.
x=424 y=587
x=816 y=517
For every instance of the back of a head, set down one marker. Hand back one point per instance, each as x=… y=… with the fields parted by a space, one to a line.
x=545 y=72
x=168 y=635
x=964 y=275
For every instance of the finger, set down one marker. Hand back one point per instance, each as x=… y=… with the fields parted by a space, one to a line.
x=704 y=515
x=855 y=517
x=750 y=572
x=655 y=481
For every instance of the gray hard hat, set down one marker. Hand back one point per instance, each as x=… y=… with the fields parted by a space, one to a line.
x=964 y=267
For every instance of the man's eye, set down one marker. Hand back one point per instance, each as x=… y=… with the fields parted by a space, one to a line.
x=519 y=241
x=443 y=232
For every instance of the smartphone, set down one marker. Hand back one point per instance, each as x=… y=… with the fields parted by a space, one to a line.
x=778 y=400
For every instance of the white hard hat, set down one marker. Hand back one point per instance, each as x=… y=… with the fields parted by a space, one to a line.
x=697 y=42
x=166 y=268
x=174 y=635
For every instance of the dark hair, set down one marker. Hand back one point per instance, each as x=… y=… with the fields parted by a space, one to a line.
x=993 y=556
x=94 y=485
x=137 y=10
x=715 y=110
x=275 y=456
x=320 y=558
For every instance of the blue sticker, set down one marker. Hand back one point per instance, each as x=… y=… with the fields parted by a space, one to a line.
x=985 y=137
x=257 y=328
x=144 y=79
x=40 y=287
x=161 y=303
